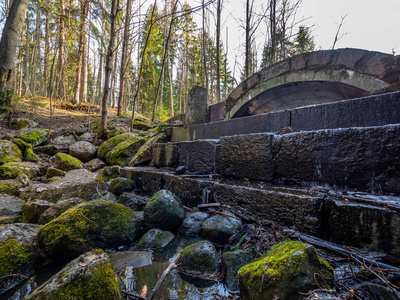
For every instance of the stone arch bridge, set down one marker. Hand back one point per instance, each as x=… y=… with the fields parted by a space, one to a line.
x=311 y=78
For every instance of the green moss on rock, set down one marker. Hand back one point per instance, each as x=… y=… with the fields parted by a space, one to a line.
x=9 y=152
x=109 y=173
x=13 y=170
x=54 y=172
x=67 y=162
x=97 y=223
x=110 y=144
x=142 y=124
x=20 y=143
x=35 y=136
x=89 y=276
x=9 y=186
x=145 y=153
x=13 y=256
x=122 y=153
x=30 y=155
x=284 y=272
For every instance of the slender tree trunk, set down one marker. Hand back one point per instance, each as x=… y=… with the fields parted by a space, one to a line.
x=84 y=69
x=108 y=67
x=171 y=93
x=27 y=57
x=81 y=56
x=218 y=42
x=124 y=56
x=114 y=78
x=46 y=54
x=272 y=18
x=61 y=52
x=36 y=51
x=99 y=77
x=204 y=48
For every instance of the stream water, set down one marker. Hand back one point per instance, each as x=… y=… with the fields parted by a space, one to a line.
x=136 y=269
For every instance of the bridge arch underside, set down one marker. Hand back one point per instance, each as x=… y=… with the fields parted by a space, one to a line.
x=297 y=94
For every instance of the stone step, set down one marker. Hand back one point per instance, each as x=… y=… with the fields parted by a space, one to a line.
x=373 y=110
x=362 y=158
x=354 y=219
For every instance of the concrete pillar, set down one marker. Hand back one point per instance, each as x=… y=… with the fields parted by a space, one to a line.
x=196 y=107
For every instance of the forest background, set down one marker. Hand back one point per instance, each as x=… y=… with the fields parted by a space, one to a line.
x=147 y=55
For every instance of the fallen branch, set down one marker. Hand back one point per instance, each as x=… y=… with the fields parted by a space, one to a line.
x=171 y=266
x=134 y=296
x=373 y=202
x=337 y=249
x=221 y=213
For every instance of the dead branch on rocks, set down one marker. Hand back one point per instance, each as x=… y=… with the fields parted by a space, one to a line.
x=171 y=266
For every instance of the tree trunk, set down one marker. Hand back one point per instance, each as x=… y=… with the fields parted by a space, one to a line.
x=171 y=93
x=204 y=48
x=81 y=57
x=46 y=54
x=114 y=78
x=99 y=77
x=61 y=53
x=36 y=51
x=84 y=69
x=8 y=48
x=218 y=42
x=108 y=67
x=124 y=57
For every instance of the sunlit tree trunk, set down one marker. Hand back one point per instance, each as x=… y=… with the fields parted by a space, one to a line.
x=108 y=67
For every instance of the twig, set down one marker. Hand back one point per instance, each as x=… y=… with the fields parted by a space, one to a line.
x=171 y=266
x=221 y=213
x=13 y=275
x=134 y=296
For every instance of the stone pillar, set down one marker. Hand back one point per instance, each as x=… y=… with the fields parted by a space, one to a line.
x=196 y=107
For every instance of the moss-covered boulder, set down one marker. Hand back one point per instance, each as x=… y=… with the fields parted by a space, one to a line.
x=109 y=173
x=115 y=131
x=95 y=125
x=58 y=208
x=30 y=155
x=19 y=123
x=123 y=152
x=232 y=261
x=94 y=224
x=142 y=124
x=76 y=183
x=32 y=210
x=145 y=153
x=13 y=170
x=220 y=228
x=284 y=273
x=10 y=205
x=120 y=185
x=199 y=259
x=89 y=276
x=110 y=144
x=20 y=143
x=9 y=152
x=154 y=239
x=95 y=164
x=67 y=162
x=54 y=172
x=83 y=150
x=17 y=254
x=35 y=137
x=164 y=211
x=9 y=186
x=48 y=149
x=191 y=225
x=107 y=196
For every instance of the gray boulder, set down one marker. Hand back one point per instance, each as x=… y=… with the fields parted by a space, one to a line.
x=76 y=183
x=83 y=150
x=95 y=164
x=231 y=262
x=89 y=276
x=65 y=140
x=155 y=238
x=164 y=211
x=220 y=228
x=191 y=225
x=199 y=259
x=120 y=185
x=32 y=210
x=57 y=209
x=10 y=205
x=19 y=123
x=17 y=255
x=87 y=136
x=67 y=162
